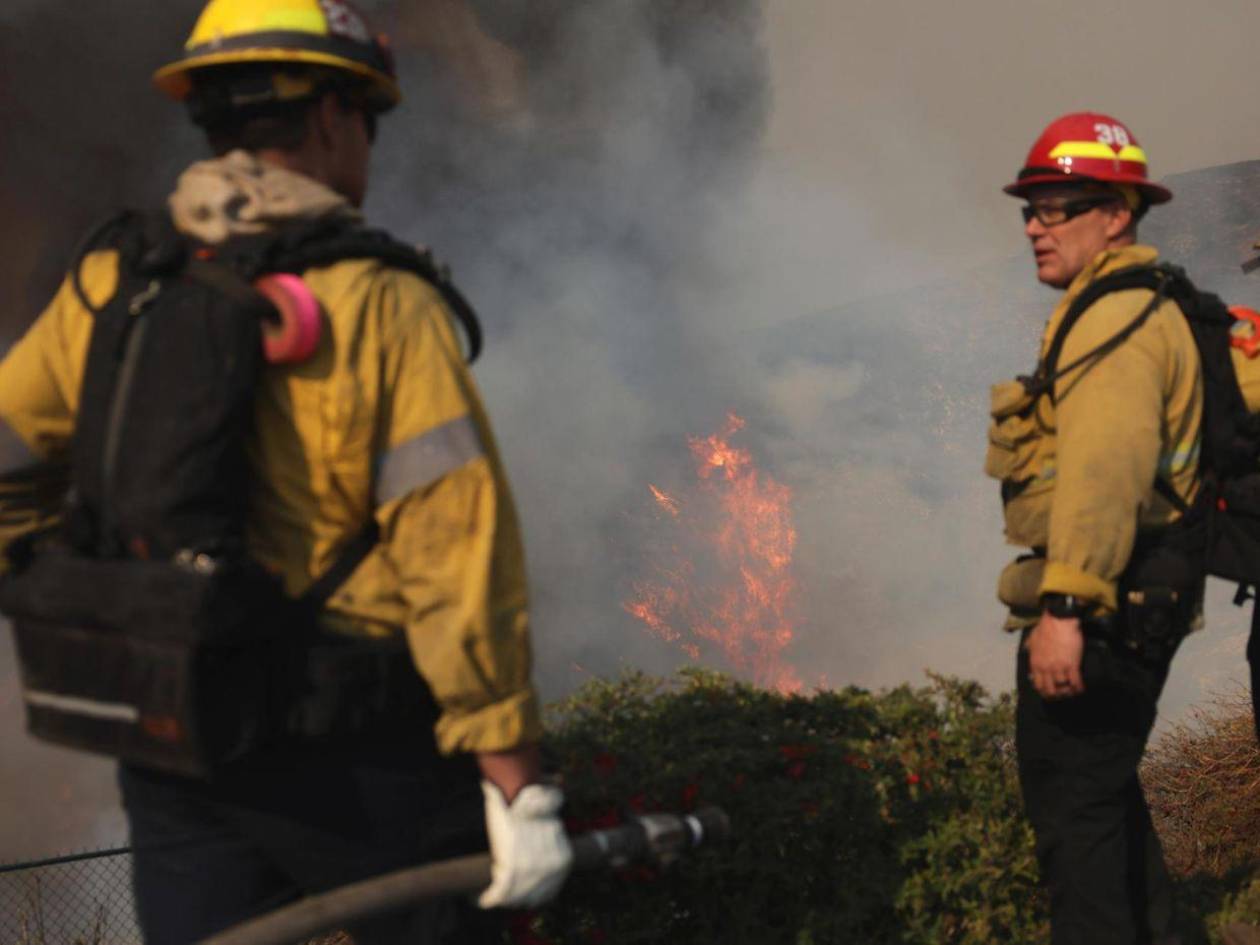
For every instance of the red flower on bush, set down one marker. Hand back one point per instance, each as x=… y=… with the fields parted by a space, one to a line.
x=638 y=803
x=600 y=821
x=810 y=808
x=605 y=763
x=521 y=930
x=912 y=778
x=689 y=794
x=797 y=752
x=796 y=770
x=641 y=874
x=857 y=761
x=739 y=781
x=596 y=936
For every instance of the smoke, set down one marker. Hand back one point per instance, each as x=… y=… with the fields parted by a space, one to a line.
x=576 y=220
x=84 y=132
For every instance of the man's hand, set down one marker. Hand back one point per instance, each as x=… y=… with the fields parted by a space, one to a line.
x=1054 y=649
x=531 y=851
x=511 y=770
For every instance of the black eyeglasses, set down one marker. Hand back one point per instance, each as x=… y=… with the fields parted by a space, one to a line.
x=1052 y=214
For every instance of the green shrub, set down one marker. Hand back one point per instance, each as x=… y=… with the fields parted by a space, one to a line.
x=1240 y=906
x=864 y=818
x=858 y=817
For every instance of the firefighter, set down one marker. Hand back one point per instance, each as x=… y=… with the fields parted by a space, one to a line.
x=384 y=421
x=1096 y=453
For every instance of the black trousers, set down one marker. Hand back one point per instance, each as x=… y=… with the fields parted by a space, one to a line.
x=210 y=854
x=1099 y=856
x=1253 y=659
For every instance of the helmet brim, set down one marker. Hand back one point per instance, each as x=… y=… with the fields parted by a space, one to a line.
x=175 y=80
x=1154 y=193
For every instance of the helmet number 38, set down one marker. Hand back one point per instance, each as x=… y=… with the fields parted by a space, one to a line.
x=1115 y=135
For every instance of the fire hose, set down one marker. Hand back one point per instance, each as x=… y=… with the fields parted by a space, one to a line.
x=661 y=837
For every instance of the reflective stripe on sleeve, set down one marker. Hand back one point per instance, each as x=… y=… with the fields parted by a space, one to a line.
x=15 y=455
x=1180 y=459
x=425 y=459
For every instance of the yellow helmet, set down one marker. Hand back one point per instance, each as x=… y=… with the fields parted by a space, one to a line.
x=323 y=33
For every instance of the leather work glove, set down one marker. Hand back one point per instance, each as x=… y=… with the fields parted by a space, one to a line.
x=531 y=851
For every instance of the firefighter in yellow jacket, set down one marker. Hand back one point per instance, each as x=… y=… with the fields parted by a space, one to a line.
x=384 y=420
x=1095 y=452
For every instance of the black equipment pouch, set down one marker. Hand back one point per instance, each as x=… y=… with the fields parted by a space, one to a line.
x=1160 y=593
x=1234 y=551
x=149 y=662
x=1153 y=625
x=185 y=668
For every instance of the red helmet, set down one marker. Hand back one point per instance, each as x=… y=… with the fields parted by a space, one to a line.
x=1087 y=146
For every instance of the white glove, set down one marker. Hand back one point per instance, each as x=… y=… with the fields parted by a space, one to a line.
x=531 y=851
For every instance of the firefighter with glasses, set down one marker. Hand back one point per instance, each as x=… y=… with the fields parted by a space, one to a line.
x=1096 y=451
x=379 y=425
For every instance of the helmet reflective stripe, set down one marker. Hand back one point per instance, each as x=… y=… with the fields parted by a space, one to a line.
x=224 y=19
x=1096 y=149
x=303 y=21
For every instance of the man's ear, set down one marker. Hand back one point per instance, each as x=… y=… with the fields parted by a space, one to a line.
x=326 y=120
x=1119 y=220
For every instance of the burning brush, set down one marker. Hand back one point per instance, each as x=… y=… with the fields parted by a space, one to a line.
x=725 y=582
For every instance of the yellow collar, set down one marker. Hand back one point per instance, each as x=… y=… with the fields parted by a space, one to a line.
x=1105 y=263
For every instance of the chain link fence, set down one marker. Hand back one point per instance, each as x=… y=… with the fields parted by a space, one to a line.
x=84 y=899
x=70 y=900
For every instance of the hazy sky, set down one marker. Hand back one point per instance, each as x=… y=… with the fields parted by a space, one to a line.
x=909 y=115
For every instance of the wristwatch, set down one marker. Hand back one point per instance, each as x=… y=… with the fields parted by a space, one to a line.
x=1065 y=606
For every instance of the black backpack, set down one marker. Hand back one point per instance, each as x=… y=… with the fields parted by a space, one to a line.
x=144 y=629
x=1219 y=534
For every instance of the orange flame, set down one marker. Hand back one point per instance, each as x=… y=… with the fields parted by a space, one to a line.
x=732 y=590
x=668 y=503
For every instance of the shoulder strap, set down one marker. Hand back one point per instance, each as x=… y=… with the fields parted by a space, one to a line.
x=150 y=245
x=351 y=556
x=1157 y=278
x=147 y=243
x=325 y=242
x=1170 y=495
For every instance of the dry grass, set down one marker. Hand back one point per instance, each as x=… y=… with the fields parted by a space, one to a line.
x=1202 y=779
x=32 y=928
